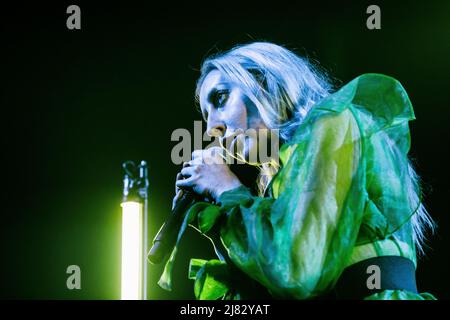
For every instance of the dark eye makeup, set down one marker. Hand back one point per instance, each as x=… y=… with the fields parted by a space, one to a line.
x=219 y=97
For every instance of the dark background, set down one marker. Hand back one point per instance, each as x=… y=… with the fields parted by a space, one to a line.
x=76 y=104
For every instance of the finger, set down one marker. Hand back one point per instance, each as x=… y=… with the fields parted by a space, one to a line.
x=214 y=156
x=186 y=184
x=220 y=155
x=188 y=172
x=179 y=177
x=197 y=157
x=197 y=153
x=186 y=164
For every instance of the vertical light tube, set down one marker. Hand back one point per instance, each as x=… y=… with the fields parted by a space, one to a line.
x=145 y=250
x=132 y=251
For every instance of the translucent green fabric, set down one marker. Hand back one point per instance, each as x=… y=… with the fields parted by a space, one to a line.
x=400 y=295
x=338 y=198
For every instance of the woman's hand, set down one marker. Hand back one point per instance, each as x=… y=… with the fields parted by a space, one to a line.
x=206 y=174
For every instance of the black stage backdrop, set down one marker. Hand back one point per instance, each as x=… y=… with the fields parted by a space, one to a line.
x=77 y=103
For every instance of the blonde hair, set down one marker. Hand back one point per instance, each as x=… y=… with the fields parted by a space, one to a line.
x=282 y=85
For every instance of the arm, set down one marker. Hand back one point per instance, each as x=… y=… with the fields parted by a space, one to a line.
x=297 y=245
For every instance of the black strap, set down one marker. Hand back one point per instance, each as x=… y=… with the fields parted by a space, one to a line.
x=396 y=273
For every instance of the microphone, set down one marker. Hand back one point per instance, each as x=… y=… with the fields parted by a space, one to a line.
x=166 y=238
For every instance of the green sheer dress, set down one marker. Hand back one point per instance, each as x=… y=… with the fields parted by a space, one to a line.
x=339 y=198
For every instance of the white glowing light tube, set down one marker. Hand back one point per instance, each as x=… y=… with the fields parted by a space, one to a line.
x=132 y=251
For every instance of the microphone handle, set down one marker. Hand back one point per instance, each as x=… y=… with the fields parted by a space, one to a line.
x=166 y=238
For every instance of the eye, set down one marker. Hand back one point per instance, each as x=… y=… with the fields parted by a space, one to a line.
x=220 y=98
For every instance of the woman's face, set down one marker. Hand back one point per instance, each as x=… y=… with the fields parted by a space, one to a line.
x=229 y=114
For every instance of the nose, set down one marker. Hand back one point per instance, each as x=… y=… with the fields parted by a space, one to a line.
x=215 y=126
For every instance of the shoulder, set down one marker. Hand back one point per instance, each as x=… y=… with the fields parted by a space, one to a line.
x=374 y=101
x=380 y=95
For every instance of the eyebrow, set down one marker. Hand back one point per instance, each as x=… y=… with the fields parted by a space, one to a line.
x=215 y=89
